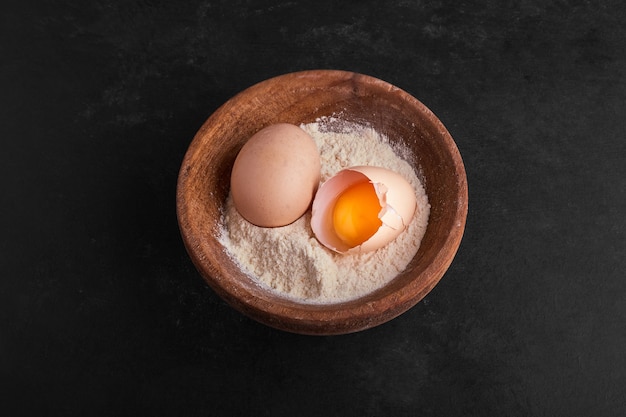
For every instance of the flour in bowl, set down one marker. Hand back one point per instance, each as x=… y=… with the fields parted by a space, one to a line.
x=290 y=260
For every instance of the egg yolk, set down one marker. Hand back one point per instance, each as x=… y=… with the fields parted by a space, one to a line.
x=355 y=215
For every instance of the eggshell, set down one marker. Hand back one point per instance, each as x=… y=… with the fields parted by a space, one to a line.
x=396 y=196
x=275 y=175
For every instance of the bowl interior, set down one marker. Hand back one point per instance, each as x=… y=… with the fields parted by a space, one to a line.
x=301 y=98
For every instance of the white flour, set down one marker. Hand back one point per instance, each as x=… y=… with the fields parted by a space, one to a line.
x=292 y=262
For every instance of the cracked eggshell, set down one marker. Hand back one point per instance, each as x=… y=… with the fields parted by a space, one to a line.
x=396 y=197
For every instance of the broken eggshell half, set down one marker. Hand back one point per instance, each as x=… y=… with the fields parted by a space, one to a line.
x=395 y=195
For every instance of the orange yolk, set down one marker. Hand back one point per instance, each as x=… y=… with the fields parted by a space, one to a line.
x=355 y=215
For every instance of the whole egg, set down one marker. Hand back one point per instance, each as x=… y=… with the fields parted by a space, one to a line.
x=275 y=175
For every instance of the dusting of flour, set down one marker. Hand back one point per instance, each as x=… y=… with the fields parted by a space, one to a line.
x=293 y=263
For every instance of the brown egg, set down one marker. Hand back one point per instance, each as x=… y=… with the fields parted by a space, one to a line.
x=275 y=175
x=392 y=209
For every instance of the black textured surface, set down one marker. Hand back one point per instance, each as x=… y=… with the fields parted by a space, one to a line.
x=102 y=313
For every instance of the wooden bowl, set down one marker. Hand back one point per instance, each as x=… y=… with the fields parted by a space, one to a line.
x=301 y=97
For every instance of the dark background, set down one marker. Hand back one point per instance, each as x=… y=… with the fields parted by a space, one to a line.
x=103 y=314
